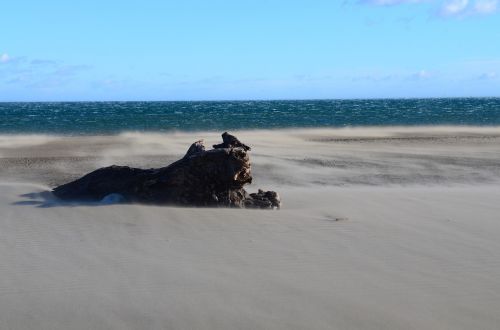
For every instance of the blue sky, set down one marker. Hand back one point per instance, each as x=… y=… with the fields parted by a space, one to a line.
x=204 y=50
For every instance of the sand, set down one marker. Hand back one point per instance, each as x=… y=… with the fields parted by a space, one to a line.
x=380 y=229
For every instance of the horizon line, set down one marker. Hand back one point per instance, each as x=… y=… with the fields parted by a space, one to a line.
x=261 y=100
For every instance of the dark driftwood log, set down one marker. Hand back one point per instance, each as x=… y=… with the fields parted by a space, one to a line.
x=201 y=178
x=230 y=141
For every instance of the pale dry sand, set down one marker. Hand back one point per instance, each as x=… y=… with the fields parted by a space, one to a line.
x=381 y=229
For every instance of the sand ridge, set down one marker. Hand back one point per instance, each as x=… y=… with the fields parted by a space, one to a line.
x=302 y=157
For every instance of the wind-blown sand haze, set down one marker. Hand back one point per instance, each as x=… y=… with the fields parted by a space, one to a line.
x=381 y=228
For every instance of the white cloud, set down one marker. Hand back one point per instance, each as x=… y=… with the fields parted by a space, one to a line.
x=463 y=8
x=446 y=8
x=4 y=58
x=421 y=75
x=390 y=2
x=485 y=6
x=454 y=7
x=488 y=76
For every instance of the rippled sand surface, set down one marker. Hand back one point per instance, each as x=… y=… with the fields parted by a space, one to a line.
x=383 y=228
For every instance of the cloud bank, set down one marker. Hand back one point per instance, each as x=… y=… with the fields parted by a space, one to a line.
x=463 y=8
x=446 y=8
x=37 y=73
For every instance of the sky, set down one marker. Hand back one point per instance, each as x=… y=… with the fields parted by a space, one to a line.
x=97 y=50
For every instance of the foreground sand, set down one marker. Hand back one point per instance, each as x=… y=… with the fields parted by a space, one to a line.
x=339 y=255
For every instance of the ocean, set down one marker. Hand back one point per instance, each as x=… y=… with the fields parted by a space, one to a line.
x=88 y=118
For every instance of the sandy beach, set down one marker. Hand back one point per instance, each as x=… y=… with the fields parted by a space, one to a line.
x=381 y=228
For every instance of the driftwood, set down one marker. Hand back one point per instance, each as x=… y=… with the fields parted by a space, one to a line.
x=201 y=178
x=230 y=141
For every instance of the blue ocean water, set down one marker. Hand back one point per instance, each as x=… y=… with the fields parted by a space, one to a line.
x=79 y=118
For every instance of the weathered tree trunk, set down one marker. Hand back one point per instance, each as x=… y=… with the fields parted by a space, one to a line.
x=201 y=178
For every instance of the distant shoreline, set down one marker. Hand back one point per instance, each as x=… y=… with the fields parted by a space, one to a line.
x=345 y=133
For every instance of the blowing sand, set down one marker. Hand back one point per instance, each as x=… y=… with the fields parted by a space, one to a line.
x=380 y=229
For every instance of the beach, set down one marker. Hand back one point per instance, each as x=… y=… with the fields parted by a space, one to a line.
x=380 y=228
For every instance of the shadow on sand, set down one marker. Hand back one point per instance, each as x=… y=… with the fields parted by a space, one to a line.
x=46 y=199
